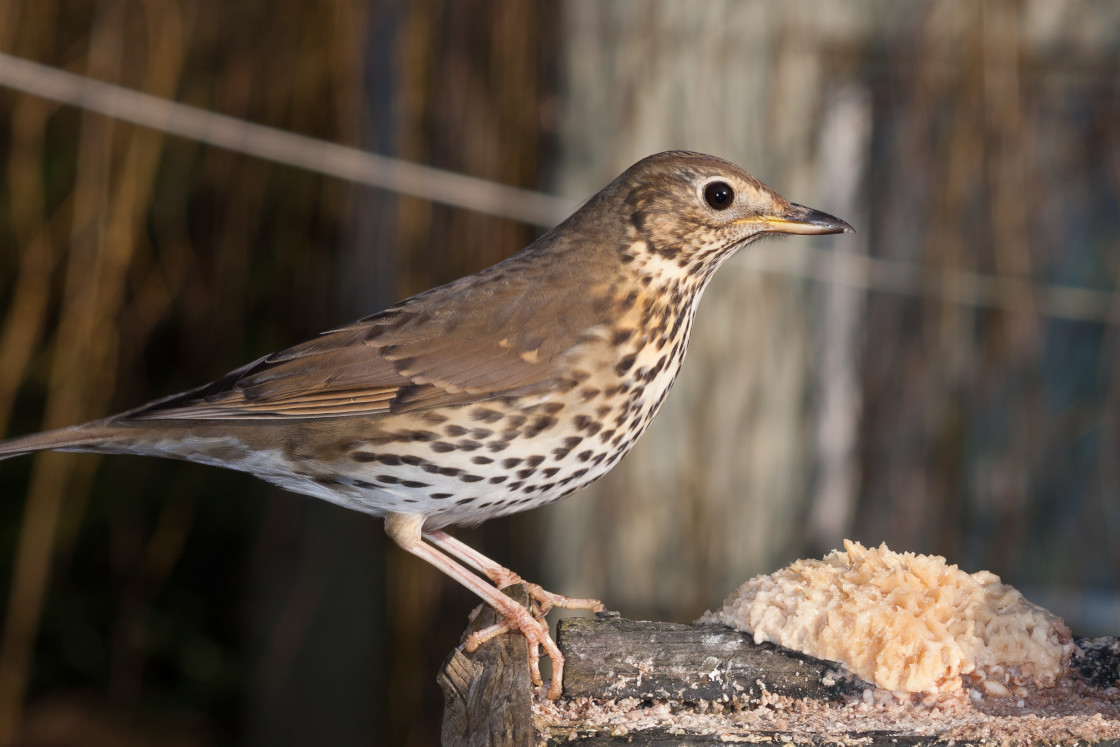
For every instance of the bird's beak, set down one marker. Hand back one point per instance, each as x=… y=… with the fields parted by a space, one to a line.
x=803 y=220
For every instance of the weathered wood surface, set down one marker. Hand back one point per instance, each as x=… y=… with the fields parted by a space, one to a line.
x=488 y=696
x=667 y=738
x=489 y=700
x=618 y=658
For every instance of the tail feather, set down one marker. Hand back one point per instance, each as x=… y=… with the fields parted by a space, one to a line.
x=86 y=437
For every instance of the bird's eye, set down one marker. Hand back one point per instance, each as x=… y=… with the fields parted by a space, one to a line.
x=719 y=195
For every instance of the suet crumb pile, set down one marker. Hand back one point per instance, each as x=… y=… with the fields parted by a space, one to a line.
x=904 y=622
x=1068 y=714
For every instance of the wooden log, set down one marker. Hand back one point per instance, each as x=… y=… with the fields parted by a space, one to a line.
x=671 y=684
x=616 y=658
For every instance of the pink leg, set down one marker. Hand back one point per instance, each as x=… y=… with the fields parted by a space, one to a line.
x=503 y=576
x=405 y=530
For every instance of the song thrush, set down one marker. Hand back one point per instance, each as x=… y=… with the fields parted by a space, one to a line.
x=493 y=394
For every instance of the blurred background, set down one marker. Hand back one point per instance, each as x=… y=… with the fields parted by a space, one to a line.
x=947 y=380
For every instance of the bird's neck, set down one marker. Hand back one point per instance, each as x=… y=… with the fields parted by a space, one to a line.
x=653 y=324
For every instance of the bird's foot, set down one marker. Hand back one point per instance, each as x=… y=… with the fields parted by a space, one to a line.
x=519 y=618
x=503 y=577
x=444 y=551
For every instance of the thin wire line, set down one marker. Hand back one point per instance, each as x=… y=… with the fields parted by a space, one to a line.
x=536 y=208
x=965 y=288
x=288 y=148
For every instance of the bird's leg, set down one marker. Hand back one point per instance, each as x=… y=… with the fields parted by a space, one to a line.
x=405 y=530
x=502 y=576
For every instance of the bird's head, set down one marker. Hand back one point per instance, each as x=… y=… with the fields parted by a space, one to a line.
x=691 y=211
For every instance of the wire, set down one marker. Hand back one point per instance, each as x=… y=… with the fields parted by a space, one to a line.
x=472 y=193
x=288 y=148
x=960 y=287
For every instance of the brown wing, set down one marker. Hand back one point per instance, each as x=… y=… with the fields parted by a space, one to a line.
x=503 y=332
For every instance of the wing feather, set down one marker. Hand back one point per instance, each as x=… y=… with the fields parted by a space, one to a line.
x=502 y=332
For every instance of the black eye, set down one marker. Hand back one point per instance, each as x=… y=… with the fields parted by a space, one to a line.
x=719 y=195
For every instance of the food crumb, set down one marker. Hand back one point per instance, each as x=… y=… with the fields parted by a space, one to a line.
x=1071 y=711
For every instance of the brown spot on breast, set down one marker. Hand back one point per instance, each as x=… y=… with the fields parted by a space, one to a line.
x=485 y=415
x=621 y=335
x=540 y=424
x=563 y=386
x=569 y=444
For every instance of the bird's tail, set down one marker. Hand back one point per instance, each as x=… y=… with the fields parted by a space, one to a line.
x=89 y=437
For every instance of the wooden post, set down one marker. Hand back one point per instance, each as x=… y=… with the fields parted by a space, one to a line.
x=488 y=696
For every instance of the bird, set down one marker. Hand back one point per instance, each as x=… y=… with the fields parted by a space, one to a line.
x=493 y=394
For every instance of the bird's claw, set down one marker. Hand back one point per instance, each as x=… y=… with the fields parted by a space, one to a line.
x=547 y=600
x=536 y=634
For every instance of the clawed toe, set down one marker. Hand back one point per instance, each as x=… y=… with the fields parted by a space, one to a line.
x=442 y=550
x=547 y=600
x=473 y=640
x=517 y=618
